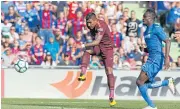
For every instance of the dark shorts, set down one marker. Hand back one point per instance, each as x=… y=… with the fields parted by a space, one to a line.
x=106 y=55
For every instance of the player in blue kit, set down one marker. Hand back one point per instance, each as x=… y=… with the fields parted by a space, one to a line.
x=154 y=36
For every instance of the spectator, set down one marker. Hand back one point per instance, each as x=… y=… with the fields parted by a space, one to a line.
x=128 y=45
x=66 y=61
x=26 y=53
x=6 y=42
x=28 y=35
x=13 y=34
x=46 y=22
x=22 y=43
x=103 y=15
x=20 y=7
x=95 y=63
x=15 y=49
x=173 y=65
x=131 y=60
x=86 y=8
x=69 y=29
x=5 y=6
x=60 y=40
x=12 y=15
x=121 y=26
x=8 y=58
x=38 y=52
x=119 y=11
x=61 y=22
x=178 y=61
x=125 y=15
x=60 y=6
x=6 y=27
x=78 y=23
x=76 y=54
x=48 y=61
x=79 y=38
x=20 y=25
x=117 y=64
x=67 y=48
x=122 y=55
x=137 y=54
x=72 y=6
x=172 y=17
x=132 y=25
x=177 y=31
x=53 y=48
x=117 y=37
x=31 y=17
x=111 y=9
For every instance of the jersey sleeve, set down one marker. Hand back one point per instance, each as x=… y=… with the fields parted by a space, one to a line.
x=101 y=30
x=160 y=33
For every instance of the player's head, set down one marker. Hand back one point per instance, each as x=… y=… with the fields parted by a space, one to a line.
x=149 y=17
x=91 y=20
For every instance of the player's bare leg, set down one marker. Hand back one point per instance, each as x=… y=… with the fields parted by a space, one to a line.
x=84 y=64
x=142 y=79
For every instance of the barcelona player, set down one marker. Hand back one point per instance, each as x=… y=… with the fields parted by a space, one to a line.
x=102 y=46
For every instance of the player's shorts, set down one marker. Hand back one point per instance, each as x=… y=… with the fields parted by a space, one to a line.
x=153 y=66
x=106 y=55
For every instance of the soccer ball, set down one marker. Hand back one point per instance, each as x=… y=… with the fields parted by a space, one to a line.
x=21 y=65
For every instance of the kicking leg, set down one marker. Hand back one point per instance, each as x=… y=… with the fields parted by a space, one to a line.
x=143 y=89
x=157 y=84
x=84 y=64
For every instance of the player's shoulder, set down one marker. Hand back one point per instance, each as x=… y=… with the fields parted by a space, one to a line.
x=157 y=26
x=101 y=25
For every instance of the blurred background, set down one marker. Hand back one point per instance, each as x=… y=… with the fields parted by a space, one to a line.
x=51 y=33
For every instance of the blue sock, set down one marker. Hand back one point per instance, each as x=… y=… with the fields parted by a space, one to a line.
x=157 y=84
x=143 y=90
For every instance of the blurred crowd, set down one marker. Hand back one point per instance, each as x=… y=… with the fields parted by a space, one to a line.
x=51 y=33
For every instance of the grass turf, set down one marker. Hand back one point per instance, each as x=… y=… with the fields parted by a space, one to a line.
x=8 y=103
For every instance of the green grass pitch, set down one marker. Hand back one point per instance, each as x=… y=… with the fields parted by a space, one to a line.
x=8 y=103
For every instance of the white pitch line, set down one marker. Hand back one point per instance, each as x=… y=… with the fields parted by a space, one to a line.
x=73 y=102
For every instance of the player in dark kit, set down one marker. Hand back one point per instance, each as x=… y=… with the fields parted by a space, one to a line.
x=102 y=46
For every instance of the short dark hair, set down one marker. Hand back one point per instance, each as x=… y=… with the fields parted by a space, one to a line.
x=152 y=12
x=90 y=15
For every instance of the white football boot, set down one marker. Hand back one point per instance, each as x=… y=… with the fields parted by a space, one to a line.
x=149 y=107
x=171 y=85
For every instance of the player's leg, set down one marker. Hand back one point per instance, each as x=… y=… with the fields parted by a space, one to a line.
x=108 y=63
x=142 y=79
x=84 y=64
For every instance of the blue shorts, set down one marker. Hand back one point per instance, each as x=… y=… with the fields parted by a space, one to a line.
x=153 y=66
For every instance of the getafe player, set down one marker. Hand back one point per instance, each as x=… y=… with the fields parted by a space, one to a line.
x=154 y=36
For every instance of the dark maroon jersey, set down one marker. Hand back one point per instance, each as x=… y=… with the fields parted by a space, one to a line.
x=102 y=29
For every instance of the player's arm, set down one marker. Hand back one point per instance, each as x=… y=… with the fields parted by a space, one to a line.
x=168 y=44
x=95 y=42
x=164 y=38
x=98 y=39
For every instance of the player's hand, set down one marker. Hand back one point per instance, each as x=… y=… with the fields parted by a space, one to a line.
x=167 y=65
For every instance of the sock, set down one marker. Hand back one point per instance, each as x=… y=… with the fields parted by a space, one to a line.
x=157 y=84
x=85 y=62
x=111 y=82
x=143 y=90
